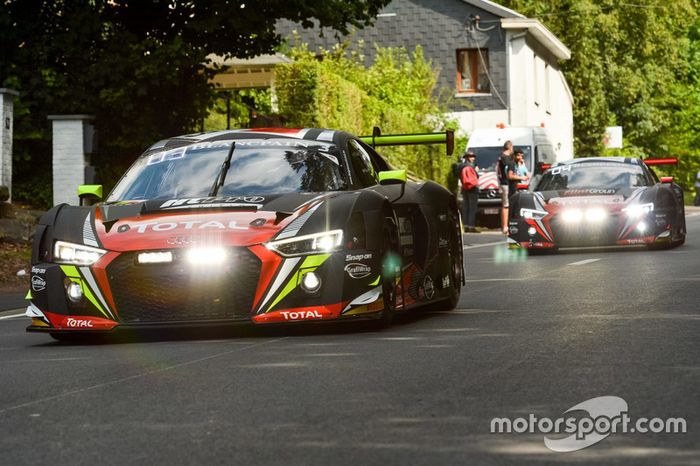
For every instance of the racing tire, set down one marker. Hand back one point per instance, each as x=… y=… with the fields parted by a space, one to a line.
x=456 y=264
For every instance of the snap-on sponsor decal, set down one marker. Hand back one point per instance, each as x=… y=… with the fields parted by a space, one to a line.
x=357 y=257
x=38 y=283
x=428 y=287
x=252 y=201
x=357 y=270
x=39 y=270
x=290 y=315
x=187 y=225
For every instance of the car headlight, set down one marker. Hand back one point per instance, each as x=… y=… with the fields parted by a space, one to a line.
x=76 y=254
x=637 y=210
x=532 y=213
x=308 y=244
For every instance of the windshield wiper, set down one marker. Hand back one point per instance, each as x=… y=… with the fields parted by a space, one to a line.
x=221 y=177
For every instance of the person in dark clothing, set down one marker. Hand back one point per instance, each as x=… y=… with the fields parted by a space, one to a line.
x=505 y=163
x=470 y=197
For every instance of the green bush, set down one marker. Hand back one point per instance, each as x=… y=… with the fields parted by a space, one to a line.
x=336 y=90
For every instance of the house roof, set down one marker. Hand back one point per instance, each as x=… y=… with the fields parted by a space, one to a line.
x=494 y=8
x=539 y=32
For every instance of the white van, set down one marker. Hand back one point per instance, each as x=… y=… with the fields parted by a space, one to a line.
x=538 y=148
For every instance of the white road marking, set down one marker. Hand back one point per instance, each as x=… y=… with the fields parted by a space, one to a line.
x=484 y=245
x=478 y=280
x=587 y=261
x=12 y=316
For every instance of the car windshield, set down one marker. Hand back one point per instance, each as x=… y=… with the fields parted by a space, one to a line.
x=593 y=175
x=257 y=167
x=487 y=157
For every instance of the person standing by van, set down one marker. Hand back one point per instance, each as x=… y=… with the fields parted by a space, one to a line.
x=505 y=164
x=470 y=192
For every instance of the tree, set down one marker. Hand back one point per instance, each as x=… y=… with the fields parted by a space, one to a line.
x=626 y=60
x=140 y=67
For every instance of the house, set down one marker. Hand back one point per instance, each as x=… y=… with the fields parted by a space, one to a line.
x=501 y=68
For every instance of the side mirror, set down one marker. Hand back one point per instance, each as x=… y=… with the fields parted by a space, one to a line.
x=392 y=177
x=542 y=167
x=89 y=193
x=666 y=179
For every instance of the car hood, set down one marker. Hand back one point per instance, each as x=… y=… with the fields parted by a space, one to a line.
x=224 y=221
x=591 y=196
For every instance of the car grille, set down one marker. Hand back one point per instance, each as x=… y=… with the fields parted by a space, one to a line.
x=585 y=234
x=177 y=292
x=489 y=194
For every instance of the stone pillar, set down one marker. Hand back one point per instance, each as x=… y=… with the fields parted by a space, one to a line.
x=72 y=145
x=7 y=102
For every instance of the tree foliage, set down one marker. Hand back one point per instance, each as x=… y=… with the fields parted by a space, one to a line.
x=139 y=67
x=633 y=65
x=394 y=93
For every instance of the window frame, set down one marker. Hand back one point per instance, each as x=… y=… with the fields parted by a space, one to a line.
x=475 y=63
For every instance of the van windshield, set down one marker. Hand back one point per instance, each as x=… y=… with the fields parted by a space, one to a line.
x=487 y=157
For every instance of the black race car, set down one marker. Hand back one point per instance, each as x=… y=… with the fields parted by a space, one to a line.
x=599 y=201
x=262 y=226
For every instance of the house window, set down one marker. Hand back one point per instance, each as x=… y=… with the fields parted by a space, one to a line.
x=471 y=71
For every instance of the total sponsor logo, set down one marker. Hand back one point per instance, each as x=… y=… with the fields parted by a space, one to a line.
x=187 y=225
x=71 y=322
x=291 y=315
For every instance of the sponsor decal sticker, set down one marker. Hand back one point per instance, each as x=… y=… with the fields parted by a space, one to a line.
x=357 y=257
x=357 y=270
x=38 y=283
x=210 y=201
x=78 y=323
x=288 y=315
x=40 y=270
x=188 y=225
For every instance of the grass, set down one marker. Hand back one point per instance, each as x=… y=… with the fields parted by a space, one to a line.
x=14 y=257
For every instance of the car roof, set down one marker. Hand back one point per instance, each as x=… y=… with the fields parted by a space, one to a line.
x=584 y=160
x=310 y=134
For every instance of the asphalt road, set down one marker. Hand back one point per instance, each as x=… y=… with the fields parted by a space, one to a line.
x=531 y=335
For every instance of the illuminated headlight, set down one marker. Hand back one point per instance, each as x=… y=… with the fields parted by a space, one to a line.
x=308 y=244
x=158 y=257
x=595 y=214
x=532 y=213
x=637 y=210
x=531 y=231
x=76 y=254
x=642 y=227
x=572 y=215
x=206 y=256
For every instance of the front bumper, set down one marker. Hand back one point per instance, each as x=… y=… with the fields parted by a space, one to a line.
x=616 y=230
x=255 y=285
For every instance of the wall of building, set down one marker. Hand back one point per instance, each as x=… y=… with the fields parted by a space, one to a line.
x=440 y=27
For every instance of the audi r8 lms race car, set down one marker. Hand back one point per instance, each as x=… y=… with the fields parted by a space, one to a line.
x=263 y=226
x=599 y=201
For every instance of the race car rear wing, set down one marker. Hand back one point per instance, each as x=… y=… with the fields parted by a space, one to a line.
x=377 y=139
x=668 y=161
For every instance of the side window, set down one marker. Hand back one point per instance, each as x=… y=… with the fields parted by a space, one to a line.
x=361 y=164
